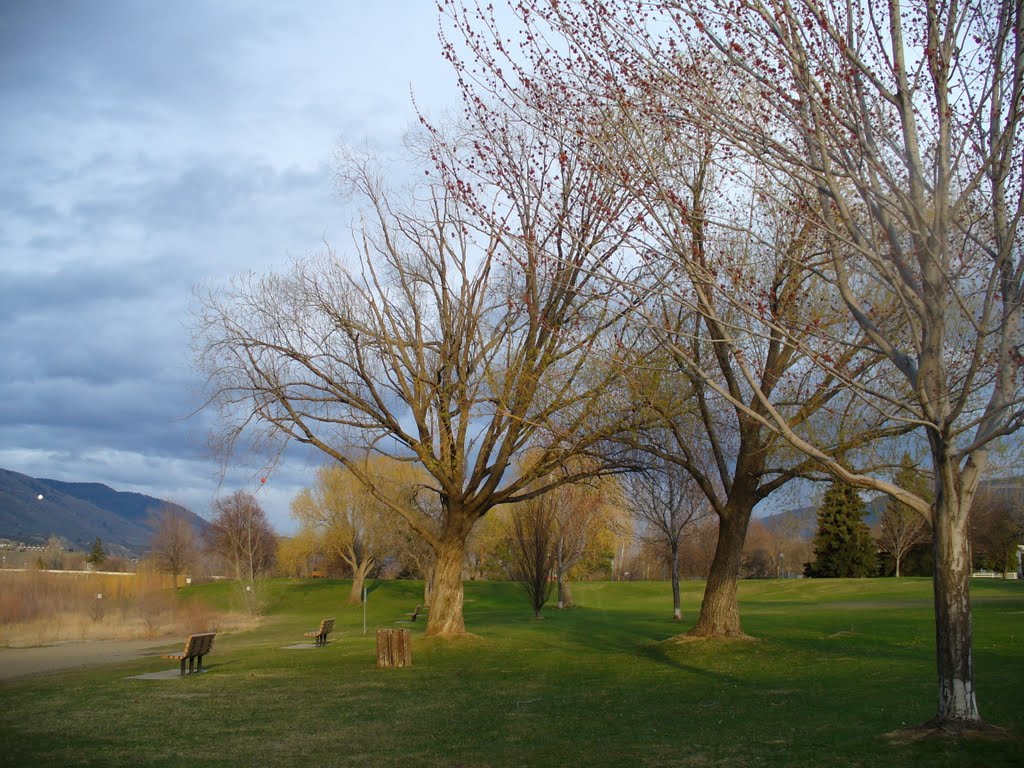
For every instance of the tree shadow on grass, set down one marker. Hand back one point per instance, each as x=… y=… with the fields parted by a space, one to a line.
x=659 y=653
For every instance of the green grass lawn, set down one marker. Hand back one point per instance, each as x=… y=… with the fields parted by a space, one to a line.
x=837 y=665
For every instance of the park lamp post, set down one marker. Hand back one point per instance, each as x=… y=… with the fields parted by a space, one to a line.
x=782 y=570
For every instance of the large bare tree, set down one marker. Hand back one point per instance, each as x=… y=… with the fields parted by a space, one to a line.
x=905 y=119
x=459 y=336
x=726 y=281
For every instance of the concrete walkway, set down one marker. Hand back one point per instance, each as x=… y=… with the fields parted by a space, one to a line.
x=18 y=662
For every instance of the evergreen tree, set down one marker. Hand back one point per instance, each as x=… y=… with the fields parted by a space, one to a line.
x=843 y=547
x=96 y=554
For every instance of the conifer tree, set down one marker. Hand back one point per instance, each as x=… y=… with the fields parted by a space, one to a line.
x=843 y=547
x=97 y=554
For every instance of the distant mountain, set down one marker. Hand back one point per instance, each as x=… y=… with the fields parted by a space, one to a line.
x=78 y=513
x=797 y=523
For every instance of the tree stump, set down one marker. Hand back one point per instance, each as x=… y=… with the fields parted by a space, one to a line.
x=394 y=648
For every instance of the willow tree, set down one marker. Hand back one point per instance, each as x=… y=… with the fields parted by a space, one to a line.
x=457 y=336
x=348 y=522
x=905 y=120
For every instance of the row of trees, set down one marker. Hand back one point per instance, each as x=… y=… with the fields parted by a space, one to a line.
x=844 y=546
x=238 y=541
x=756 y=241
x=570 y=533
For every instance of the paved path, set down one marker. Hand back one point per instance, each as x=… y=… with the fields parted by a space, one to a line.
x=17 y=662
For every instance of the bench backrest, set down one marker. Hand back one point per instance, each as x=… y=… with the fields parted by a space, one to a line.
x=326 y=627
x=199 y=645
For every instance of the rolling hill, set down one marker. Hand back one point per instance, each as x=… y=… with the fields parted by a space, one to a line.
x=77 y=512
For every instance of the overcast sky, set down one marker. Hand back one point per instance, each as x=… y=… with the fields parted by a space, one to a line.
x=150 y=147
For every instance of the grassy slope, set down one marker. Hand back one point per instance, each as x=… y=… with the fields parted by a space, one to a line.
x=838 y=664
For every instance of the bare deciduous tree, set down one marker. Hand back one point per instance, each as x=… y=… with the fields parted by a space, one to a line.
x=241 y=535
x=903 y=528
x=174 y=544
x=534 y=539
x=728 y=280
x=905 y=120
x=584 y=516
x=460 y=337
x=667 y=502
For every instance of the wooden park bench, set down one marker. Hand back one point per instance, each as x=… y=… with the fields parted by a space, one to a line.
x=326 y=627
x=413 y=616
x=196 y=647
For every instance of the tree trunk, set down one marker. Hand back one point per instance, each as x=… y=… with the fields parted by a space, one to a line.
x=564 y=592
x=951 y=584
x=394 y=648
x=446 y=595
x=677 y=606
x=897 y=567
x=428 y=584
x=355 y=595
x=719 y=611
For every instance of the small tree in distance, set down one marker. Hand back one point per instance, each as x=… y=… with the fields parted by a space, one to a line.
x=97 y=555
x=584 y=523
x=348 y=522
x=173 y=542
x=667 y=502
x=904 y=528
x=534 y=534
x=241 y=534
x=842 y=546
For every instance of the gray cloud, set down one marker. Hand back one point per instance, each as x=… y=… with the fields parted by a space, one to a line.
x=150 y=148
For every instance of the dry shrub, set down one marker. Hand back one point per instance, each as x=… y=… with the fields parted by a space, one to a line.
x=198 y=617
x=45 y=607
x=156 y=610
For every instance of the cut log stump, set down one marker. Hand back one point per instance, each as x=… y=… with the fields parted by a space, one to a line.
x=394 y=648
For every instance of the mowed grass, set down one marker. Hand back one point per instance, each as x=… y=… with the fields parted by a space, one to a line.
x=836 y=666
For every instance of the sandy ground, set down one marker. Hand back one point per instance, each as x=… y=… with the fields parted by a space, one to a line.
x=17 y=662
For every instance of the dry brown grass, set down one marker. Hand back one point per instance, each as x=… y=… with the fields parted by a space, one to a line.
x=43 y=608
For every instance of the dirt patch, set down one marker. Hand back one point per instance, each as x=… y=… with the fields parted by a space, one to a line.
x=686 y=637
x=19 y=662
x=932 y=730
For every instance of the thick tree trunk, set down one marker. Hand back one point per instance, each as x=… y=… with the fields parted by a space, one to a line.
x=446 y=595
x=953 y=642
x=719 y=611
x=394 y=648
x=897 y=567
x=677 y=606
x=355 y=595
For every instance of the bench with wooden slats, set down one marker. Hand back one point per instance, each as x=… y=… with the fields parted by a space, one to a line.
x=320 y=635
x=196 y=647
